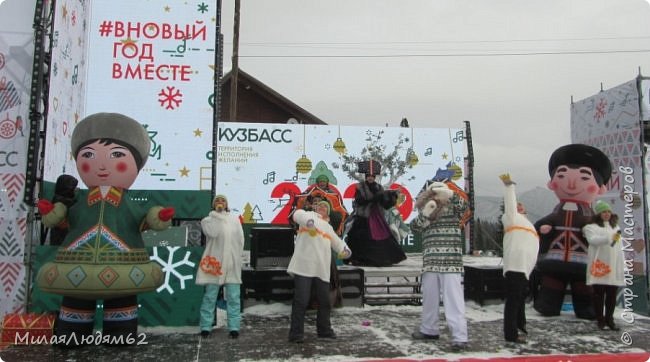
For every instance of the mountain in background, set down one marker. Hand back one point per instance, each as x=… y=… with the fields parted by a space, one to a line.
x=539 y=202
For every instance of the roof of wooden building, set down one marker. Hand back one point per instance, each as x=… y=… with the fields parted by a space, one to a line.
x=262 y=94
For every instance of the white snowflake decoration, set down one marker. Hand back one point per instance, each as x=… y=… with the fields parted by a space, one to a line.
x=169 y=268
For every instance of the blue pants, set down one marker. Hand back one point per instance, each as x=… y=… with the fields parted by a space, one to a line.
x=233 y=309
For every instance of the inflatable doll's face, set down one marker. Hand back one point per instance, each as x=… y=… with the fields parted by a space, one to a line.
x=577 y=184
x=100 y=164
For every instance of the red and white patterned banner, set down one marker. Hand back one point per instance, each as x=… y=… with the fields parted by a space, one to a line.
x=17 y=35
x=611 y=121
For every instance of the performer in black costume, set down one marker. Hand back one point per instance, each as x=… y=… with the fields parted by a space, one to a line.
x=369 y=236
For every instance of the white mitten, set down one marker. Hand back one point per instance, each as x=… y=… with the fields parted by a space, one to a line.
x=441 y=189
x=312 y=228
x=345 y=253
x=437 y=185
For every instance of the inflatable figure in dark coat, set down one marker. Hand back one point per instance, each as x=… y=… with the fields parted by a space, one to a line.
x=579 y=174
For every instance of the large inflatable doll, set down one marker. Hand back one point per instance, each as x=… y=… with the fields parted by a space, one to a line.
x=578 y=174
x=103 y=254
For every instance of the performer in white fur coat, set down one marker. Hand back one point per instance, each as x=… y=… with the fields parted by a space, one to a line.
x=606 y=268
x=221 y=265
x=520 y=247
x=310 y=266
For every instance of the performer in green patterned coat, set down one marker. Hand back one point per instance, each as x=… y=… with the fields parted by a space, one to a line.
x=103 y=254
x=440 y=222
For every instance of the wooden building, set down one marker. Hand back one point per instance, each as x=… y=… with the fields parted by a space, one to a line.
x=257 y=102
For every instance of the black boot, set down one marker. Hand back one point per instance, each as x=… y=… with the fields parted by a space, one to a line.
x=610 y=305
x=611 y=324
x=598 y=302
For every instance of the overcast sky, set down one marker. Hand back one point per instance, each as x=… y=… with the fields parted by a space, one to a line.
x=509 y=67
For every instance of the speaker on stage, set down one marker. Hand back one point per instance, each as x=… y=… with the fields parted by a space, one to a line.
x=271 y=247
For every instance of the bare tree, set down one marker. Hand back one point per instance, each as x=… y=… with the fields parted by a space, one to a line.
x=394 y=164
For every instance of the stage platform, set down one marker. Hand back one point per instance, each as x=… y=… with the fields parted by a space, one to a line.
x=395 y=284
x=398 y=284
x=265 y=278
x=176 y=303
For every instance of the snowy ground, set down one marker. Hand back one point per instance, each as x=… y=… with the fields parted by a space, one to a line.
x=372 y=332
x=364 y=333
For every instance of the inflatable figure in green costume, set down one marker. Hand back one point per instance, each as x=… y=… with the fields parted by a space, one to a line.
x=103 y=255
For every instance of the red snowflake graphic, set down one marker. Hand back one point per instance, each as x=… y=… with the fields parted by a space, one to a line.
x=600 y=109
x=170 y=98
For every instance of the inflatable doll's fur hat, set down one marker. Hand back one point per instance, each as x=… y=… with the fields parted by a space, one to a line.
x=113 y=126
x=582 y=155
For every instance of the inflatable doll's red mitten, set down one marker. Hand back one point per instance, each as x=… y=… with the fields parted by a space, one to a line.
x=44 y=206
x=51 y=213
x=166 y=214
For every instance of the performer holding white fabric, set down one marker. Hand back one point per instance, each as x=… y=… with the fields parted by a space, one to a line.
x=439 y=222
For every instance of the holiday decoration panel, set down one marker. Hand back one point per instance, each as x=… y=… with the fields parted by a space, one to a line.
x=611 y=122
x=262 y=167
x=155 y=63
x=16 y=57
x=67 y=85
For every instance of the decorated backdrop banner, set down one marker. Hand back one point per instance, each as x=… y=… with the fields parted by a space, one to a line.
x=261 y=167
x=153 y=63
x=611 y=122
x=16 y=54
